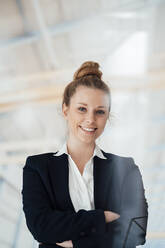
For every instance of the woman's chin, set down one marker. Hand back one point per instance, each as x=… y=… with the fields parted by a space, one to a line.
x=87 y=140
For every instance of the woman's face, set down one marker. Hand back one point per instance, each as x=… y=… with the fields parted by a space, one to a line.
x=89 y=109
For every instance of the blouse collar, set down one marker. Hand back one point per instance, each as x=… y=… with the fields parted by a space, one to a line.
x=97 y=151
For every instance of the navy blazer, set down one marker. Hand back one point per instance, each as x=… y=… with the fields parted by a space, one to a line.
x=51 y=217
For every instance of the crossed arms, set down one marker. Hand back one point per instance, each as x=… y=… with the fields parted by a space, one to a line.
x=70 y=229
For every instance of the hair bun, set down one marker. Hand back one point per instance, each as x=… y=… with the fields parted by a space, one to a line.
x=88 y=68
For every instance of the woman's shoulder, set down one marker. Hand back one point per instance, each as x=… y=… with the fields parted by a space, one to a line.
x=120 y=160
x=40 y=155
x=34 y=160
x=115 y=156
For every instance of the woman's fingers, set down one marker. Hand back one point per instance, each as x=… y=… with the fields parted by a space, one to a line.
x=114 y=216
x=111 y=216
x=67 y=244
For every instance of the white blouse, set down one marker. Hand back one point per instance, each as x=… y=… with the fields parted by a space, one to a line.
x=81 y=186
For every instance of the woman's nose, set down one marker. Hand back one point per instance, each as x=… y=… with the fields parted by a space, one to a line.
x=90 y=117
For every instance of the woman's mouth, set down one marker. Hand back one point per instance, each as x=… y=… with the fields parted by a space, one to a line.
x=88 y=130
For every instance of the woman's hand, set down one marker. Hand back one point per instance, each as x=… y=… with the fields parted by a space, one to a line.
x=67 y=244
x=111 y=216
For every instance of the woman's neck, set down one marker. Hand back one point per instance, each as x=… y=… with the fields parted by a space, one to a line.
x=80 y=150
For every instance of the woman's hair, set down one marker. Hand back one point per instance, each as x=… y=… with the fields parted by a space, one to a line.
x=87 y=75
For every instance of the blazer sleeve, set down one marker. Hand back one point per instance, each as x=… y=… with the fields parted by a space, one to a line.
x=48 y=225
x=130 y=229
x=134 y=208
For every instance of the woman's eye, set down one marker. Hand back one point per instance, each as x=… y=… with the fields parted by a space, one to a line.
x=100 y=112
x=81 y=108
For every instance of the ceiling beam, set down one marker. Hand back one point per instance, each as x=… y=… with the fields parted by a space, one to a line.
x=45 y=34
x=53 y=94
x=67 y=26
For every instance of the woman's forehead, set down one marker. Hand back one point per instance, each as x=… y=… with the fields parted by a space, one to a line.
x=99 y=101
x=87 y=93
x=85 y=104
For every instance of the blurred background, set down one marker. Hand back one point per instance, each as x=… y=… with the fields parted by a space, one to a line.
x=42 y=43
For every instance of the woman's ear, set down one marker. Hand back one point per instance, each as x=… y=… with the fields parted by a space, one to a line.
x=65 y=110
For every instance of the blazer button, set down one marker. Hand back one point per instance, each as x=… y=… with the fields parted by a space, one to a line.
x=93 y=230
x=82 y=233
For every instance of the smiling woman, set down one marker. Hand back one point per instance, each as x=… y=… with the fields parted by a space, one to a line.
x=86 y=121
x=81 y=196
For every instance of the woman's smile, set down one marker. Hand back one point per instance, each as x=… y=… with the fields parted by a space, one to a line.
x=88 y=131
x=87 y=119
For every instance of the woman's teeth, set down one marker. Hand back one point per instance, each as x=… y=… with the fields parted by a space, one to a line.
x=88 y=129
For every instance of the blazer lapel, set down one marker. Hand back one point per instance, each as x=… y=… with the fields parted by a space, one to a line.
x=102 y=170
x=59 y=175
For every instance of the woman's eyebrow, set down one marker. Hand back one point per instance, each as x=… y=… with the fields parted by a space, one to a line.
x=87 y=104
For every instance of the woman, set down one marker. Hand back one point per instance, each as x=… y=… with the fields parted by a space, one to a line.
x=81 y=196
